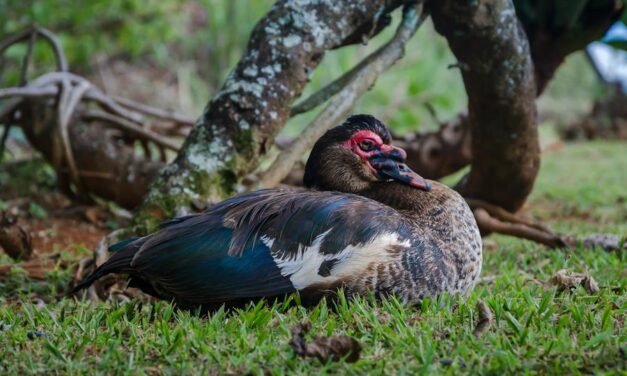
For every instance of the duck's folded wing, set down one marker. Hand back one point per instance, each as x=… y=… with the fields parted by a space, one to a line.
x=253 y=245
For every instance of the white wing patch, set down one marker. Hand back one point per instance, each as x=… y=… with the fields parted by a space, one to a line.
x=302 y=270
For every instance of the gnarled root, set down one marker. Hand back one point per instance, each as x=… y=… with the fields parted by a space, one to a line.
x=491 y=218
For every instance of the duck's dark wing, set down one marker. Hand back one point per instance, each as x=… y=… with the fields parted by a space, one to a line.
x=259 y=244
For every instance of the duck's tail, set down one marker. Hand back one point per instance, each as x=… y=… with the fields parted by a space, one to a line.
x=120 y=262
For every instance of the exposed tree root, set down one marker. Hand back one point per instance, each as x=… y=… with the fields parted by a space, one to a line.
x=491 y=218
x=56 y=112
x=488 y=224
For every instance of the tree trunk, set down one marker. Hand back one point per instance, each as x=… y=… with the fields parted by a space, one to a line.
x=240 y=123
x=440 y=153
x=494 y=57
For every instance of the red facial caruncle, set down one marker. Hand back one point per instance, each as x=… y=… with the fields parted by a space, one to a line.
x=367 y=144
x=386 y=162
x=364 y=144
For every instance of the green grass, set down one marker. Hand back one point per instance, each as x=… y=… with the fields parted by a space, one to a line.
x=536 y=330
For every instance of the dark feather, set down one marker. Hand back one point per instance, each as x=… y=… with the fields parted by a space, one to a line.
x=219 y=255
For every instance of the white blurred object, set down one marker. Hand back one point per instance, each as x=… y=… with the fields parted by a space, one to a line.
x=610 y=63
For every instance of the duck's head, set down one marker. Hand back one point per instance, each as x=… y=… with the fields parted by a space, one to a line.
x=357 y=154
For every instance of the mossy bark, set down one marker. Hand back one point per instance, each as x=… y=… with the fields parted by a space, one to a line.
x=493 y=54
x=440 y=153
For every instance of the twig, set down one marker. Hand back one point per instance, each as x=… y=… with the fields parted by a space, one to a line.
x=28 y=92
x=62 y=65
x=26 y=60
x=157 y=112
x=70 y=97
x=334 y=87
x=121 y=123
x=329 y=90
x=94 y=174
x=43 y=86
x=94 y=94
x=355 y=86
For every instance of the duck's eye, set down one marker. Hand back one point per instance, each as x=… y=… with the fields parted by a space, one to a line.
x=366 y=145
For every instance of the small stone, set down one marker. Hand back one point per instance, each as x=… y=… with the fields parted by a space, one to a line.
x=446 y=362
x=36 y=334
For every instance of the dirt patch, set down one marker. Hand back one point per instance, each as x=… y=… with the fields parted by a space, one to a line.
x=53 y=234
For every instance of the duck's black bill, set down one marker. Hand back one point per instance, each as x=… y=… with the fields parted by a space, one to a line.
x=399 y=171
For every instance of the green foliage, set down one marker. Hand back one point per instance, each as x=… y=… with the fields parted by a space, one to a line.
x=535 y=330
x=619 y=44
x=89 y=28
x=401 y=95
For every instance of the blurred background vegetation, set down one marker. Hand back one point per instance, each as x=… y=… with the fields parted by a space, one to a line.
x=176 y=53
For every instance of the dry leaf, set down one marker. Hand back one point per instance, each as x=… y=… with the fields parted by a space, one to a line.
x=485 y=319
x=565 y=280
x=608 y=242
x=15 y=241
x=324 y=348
x=95 y=215
x=590 y=285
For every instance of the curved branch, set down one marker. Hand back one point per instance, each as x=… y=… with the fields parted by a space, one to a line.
x=62 y=65
x=28 y=92
x=70 y=97
x=121 y=123
x=331 y=89
x=156 y=112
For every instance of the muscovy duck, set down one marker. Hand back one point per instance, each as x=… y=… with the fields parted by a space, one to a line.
x=367 y=223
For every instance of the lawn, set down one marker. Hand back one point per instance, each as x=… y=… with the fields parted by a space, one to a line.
x=536 y=329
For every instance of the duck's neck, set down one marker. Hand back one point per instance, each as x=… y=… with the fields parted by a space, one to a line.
x=405 y=198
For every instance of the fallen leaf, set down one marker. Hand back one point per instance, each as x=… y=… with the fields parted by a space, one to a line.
x=95 y=215
x=565 y=280
x=446 y=362
x=15 y=241
x=608 y=242
x=324 y=348
x=485 y=319
x=590 y=285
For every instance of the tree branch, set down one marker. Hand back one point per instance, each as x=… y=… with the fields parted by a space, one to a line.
x=123 y=124
x=52 y=40
x=156 y=112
